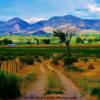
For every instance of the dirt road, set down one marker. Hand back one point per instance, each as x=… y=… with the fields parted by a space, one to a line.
x=70 y=89
x=40 y=86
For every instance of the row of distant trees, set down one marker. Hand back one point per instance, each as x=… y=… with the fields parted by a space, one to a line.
x=78 y=40
x=85 y=40
x=6 y=41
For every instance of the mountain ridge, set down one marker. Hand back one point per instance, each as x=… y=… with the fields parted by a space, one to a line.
x=17 y=25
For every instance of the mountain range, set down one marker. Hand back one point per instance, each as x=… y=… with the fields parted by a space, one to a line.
x=17 y=25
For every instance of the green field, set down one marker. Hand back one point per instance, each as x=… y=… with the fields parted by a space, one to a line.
x=78 y=50
x=29 y=40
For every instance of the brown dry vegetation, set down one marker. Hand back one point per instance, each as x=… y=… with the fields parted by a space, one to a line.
x=44 y=78
x=89 y=79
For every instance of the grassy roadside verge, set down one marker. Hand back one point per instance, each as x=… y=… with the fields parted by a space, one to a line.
x=54 y=84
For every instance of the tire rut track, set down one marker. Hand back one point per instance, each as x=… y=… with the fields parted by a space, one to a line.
x=40 y=85
x=70 y=89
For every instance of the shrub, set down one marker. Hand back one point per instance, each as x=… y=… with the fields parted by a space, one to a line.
x=79 y=40
x=46 y=57
x=27 y=60
x=54 y=92
x=98 y=55
x=9 y=85
x=55 y=61
x=96 y=91
x=3 y=58
x=85 y=59
x=60 y=56
x=90 y=67
x=38 y=60
x=90 y=41
x=6 y=41
x=83 y=82
x=70 y=60
x=46 y=41
x=30 y=77
x=76 y=69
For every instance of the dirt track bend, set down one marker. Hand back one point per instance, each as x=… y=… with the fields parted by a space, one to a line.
x=70 y=90
x=40 y=86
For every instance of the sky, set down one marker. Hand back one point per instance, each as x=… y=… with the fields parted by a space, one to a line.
x=36 y=10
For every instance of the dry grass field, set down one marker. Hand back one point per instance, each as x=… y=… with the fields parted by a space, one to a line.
x=46 y=72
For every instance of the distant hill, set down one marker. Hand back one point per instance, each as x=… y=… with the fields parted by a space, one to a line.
x=17 y=25
x=40 y=33
x=69 y=19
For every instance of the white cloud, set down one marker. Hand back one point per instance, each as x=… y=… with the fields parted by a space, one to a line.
x=33 y=20
x=81 y=14
x=94 y=8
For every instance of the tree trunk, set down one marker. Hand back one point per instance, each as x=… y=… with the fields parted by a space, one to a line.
x=68 y=49
x=0 y=64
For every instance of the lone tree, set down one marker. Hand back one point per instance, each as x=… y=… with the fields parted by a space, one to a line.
x=37 y=40
x=65 y=35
